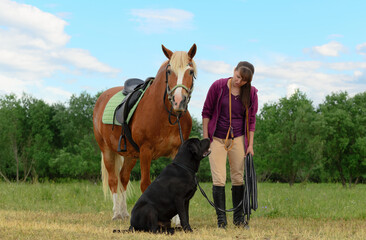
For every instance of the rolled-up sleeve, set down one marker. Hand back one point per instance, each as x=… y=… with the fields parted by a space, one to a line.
x=253 y=110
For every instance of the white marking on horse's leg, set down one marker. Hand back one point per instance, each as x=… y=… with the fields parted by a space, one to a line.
x=117 y=211
x=176 y=220
x=124 y=212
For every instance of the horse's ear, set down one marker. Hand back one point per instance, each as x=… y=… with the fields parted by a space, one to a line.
x=167 y=52
x=192 y=51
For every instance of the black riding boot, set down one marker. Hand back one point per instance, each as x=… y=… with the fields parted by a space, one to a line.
x=237 y=196
x=218 y=193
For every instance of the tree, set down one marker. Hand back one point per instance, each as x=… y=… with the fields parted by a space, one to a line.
x=12 y=139
x=344 y=136
x=287 y=141
x=358 y=149
x=79 y=154
x=39 y=147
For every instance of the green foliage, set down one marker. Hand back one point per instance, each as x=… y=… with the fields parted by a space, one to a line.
x=345 y=123
x=294 y=142
x=314 y=201
x=42 y=141
x=287 y=142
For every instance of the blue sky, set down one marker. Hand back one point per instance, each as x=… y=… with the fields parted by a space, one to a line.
x=53 y=49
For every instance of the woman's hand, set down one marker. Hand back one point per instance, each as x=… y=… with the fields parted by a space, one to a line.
x=250 y=150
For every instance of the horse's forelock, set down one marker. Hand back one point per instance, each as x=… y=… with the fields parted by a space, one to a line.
x=180 y=60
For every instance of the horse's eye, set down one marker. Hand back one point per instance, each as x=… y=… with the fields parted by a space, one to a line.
x=191 y=72
x=168 y=71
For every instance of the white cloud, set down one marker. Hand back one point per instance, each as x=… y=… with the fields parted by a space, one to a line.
x=161 y=20
x=41 y=25
x=33 y=47
x=332 y=49
x=53 y=95
x=216 y=67
x=82 y=59
x=316 y=79
x=282 y=77
x=11 y=85
x=361 y=48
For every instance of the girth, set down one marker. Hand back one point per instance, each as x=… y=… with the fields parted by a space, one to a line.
x=133 y=90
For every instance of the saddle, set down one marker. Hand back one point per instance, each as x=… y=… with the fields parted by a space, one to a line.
x=134 y=89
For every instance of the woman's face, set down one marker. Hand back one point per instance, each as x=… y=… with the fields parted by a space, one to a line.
x=237 y=80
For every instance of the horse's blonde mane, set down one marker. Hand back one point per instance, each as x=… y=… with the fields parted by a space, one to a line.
x=180 y=60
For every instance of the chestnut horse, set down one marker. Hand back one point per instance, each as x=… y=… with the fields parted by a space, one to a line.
x=152 y=126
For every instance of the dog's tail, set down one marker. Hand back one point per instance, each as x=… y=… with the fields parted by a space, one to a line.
x=131 y=229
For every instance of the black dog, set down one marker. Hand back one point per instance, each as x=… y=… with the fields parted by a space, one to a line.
x=171 y=191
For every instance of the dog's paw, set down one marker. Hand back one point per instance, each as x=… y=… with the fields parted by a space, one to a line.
x=187 y=229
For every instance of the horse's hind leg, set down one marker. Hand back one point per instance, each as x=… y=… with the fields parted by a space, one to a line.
x=124 y=176
x=113 y=164
x=125 y=173
x=145 y=161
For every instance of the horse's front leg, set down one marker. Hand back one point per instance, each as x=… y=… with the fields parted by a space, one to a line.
x=145 y=162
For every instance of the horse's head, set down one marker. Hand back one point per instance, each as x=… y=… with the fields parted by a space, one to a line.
x=180 y=73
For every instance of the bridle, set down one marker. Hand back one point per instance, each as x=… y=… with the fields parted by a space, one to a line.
x=169 y=92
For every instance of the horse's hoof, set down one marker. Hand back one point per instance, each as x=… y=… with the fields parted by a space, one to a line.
x=125 y=216
x=117 y=216
x=121 y=216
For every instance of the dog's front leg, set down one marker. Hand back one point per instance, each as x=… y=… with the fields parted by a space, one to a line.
x=182 y=208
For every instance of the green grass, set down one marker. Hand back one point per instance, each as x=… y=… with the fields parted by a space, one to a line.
x=78 y=210
x=274 y=199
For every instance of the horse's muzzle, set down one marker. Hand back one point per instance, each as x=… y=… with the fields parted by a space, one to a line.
x=180 y=104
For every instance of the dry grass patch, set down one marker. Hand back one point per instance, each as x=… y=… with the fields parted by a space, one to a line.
x=45 y=225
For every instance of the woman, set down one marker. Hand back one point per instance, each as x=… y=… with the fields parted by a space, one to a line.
x=224 y=122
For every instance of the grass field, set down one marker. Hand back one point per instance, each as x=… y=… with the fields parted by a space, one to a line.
x=78 y=211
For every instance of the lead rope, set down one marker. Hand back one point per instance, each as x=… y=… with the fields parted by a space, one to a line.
x=247 y=117
x=230 y=130
x=180 y=130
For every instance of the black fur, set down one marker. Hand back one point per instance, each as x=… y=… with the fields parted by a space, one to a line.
x=171 y=191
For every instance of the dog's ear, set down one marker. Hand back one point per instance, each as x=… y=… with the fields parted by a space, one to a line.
x=193 y=148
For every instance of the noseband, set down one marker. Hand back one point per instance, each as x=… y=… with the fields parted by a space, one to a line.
x=169 y=92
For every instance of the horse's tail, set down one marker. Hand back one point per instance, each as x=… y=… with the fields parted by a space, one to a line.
x=118 y=161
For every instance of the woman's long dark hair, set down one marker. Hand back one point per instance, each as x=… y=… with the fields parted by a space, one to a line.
x=246 y=71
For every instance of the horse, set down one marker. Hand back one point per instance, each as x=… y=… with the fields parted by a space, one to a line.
x=153 y=126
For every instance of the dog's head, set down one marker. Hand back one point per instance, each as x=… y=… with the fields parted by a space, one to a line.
x=198 y=148
x=192 y=151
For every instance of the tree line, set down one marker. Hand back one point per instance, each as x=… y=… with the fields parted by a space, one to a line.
x=294 y=141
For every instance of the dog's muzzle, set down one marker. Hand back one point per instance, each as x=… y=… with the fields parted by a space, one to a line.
x=207 y=153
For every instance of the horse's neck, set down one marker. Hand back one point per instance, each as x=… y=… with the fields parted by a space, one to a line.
x=156 y=94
